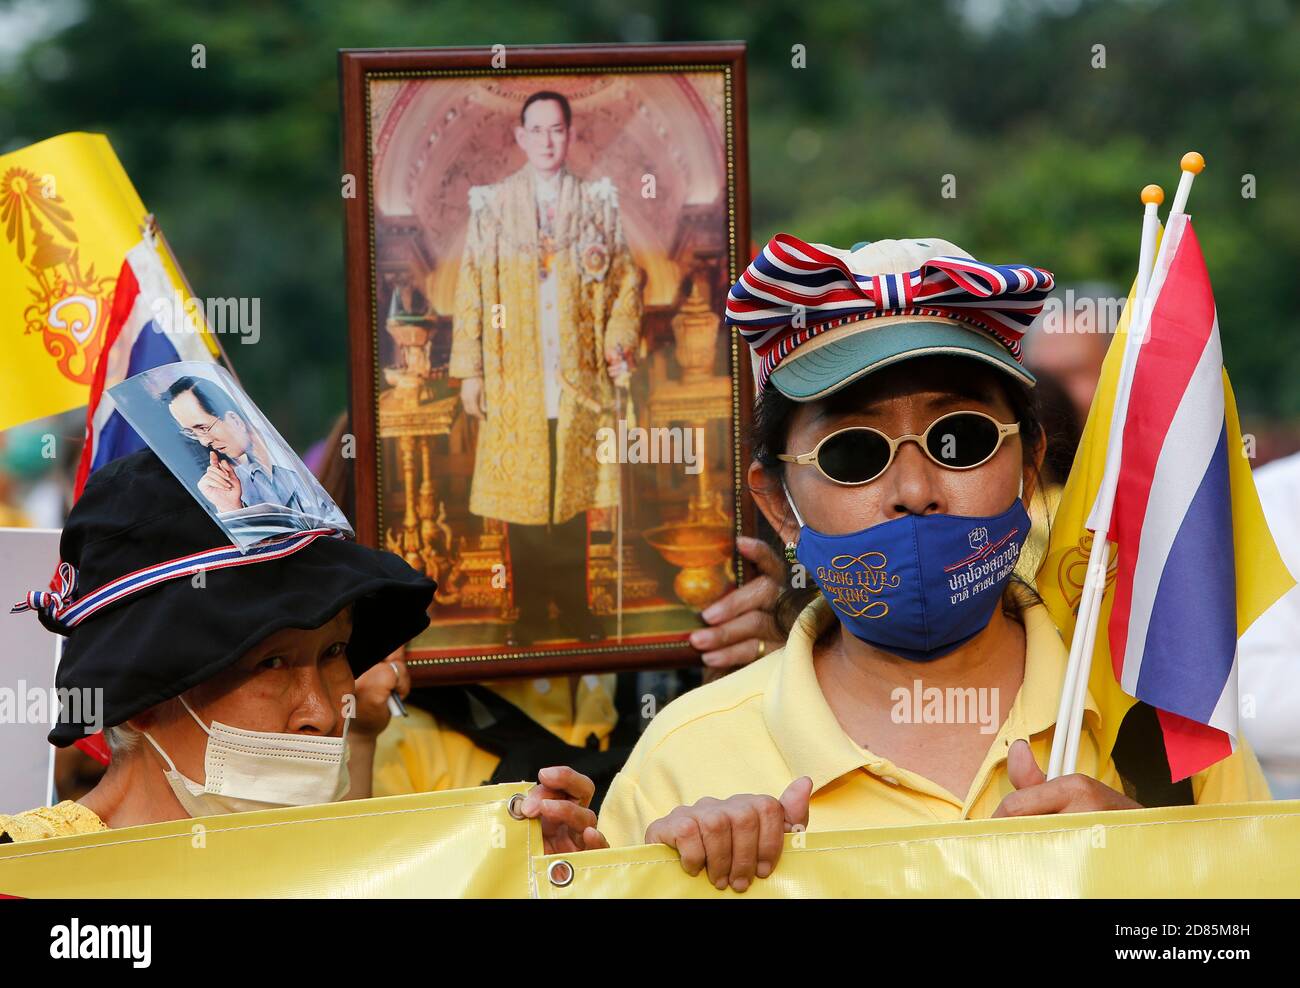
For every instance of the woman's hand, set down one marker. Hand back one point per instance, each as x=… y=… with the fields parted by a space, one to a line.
x=734 y=839
x=742 y=626
x=373 y=687
x=1034 y=795
x=561 y=799
x=370 y=715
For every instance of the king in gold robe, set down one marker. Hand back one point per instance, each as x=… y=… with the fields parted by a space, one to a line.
x=498 y=336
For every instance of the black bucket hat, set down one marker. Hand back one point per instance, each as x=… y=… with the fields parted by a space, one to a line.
x=157 y=642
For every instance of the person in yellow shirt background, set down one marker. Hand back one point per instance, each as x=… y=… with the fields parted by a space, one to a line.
x=896 y=446
x=456 y=737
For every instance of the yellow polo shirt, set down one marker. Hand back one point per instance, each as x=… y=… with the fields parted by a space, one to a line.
x=760 y=728
x=416 y=754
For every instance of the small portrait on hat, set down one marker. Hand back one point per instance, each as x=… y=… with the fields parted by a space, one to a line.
x=217 y=442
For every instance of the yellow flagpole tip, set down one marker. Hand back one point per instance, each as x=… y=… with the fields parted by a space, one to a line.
x=1192 y=162
x=1153 y=194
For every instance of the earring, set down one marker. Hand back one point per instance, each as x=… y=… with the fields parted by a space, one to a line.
x=790 y=552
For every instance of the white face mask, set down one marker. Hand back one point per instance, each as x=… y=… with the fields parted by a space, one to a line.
x=260 y=770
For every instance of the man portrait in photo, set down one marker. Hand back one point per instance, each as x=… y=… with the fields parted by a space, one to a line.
x=241 y=468
x=547 y=322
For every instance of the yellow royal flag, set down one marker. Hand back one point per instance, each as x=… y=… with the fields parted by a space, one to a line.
x=1261 y=575
x=69 y=215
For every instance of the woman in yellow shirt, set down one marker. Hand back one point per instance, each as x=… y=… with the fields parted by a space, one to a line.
x=896 y=448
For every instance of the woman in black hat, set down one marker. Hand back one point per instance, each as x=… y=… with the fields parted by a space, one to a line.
x=224 y=680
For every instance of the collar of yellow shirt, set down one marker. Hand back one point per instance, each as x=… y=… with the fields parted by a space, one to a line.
x=814 y=744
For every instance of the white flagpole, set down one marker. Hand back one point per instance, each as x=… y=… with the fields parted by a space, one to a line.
x=1085 y=630
x=1065 y=740
x=1074 y=689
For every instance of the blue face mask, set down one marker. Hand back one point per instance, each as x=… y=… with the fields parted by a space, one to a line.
x=918 y=586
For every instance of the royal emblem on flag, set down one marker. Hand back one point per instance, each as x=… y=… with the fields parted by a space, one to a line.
x=69 y=306
x=1073 y=568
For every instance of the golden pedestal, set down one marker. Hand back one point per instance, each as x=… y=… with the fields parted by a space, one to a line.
x=424 y=539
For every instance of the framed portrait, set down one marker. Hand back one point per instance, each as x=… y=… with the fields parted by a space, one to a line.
x=550 y=416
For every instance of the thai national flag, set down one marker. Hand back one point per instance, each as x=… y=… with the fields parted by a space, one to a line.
x=145 y=330
x=1173 y=624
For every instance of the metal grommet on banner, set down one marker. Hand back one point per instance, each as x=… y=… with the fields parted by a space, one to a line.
x=559 y=873
x=512 y=807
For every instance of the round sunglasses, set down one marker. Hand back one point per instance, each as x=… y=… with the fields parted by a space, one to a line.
x=860 y=454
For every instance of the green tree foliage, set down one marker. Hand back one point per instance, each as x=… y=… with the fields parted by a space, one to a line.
x=241 y=159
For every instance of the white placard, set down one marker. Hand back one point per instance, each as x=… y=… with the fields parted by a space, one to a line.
x=28 y=657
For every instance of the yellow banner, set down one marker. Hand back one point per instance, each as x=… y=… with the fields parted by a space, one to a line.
x=1230 y=851
x=461 y=843
x=69 y=215
x=464 y=843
